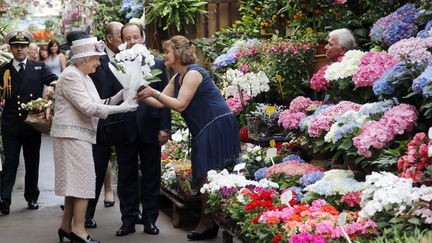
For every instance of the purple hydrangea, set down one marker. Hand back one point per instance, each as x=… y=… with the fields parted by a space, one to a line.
x=407 y=13
x=425 y=33
x=399 y=30
x=260 y=173
x=311 y=178
x=380 y=26
x=292 y=157
x=224 y=60
x=421 y=83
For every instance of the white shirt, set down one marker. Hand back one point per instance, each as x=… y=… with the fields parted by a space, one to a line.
x=110 y=54
x=16 y=63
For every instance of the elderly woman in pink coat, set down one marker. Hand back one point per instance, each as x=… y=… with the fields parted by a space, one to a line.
x=77 y=110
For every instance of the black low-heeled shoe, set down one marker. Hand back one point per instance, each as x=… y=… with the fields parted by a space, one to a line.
x=77 y=239
x=108 y=204
x=209 y=233
x=62 y=234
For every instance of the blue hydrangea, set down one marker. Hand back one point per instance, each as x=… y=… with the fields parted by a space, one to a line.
x=425 y=33
x=311 y=178
x=292 y=157
x=399 y=30
x=421 y=83
x=298 y=191
x=384 y=85
x=377 y=107
x=304 y=123
x=223 y=61
x=260 y=173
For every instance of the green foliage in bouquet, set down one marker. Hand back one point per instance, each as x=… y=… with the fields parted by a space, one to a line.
x=174 y=13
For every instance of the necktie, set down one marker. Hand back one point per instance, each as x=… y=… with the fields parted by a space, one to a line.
x=21 y=67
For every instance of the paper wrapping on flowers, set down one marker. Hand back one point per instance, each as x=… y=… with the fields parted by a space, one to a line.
x=132 y=67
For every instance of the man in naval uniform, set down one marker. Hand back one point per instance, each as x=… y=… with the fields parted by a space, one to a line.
x=21 y=81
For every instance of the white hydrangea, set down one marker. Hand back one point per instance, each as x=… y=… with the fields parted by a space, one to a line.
x=345 y=68
x=387 y=192
x=337 y=174
x=168 y=177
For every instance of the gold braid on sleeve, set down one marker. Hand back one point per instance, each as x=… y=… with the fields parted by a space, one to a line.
x=6 y=88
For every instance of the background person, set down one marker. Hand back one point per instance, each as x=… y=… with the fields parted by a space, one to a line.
x=33 y=53
x=215 y=133
x=56 y=61
x=339 y=42
x=27 y=80
x=43 y=53
x=77 y=110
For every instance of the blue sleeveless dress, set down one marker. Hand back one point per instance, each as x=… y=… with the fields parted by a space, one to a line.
x=214 y=129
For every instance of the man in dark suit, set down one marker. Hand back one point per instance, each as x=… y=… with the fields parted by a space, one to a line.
x=23 y=81
x=148 y=129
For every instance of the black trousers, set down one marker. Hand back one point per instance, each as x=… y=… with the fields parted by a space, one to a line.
x=31 y=151
x=128 y=183
x=101 y=157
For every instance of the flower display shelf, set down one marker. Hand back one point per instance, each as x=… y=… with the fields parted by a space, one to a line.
x=181 y=205
x=230 y=230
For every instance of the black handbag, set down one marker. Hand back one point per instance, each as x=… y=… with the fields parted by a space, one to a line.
x=112 y=131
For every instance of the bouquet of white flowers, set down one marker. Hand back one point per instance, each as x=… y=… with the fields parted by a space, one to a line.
x=132 y=67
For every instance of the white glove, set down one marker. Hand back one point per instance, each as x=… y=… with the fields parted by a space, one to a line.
x=129 y=96
x=122 y=108
x=116 y=99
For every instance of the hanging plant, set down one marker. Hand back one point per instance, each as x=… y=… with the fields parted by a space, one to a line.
x=174 y=13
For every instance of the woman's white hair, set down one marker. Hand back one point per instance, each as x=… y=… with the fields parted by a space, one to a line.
x=345 y=38
x=79 y=60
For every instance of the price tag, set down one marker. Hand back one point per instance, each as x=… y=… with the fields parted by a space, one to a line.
x=430 y=133
x=341 y=219
x=271 y=152
x=239 y=167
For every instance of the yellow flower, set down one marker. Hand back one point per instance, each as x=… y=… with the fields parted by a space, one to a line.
x=272 y=143
x=278 y=77
x=270 y=110
x=309 y=30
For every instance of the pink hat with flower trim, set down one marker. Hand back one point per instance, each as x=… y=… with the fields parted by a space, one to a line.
x=87 y=47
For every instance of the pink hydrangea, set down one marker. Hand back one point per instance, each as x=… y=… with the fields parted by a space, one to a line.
x=318 y=82
x=372 y=66
x=323 y=121
x=235 y=103
x=301 y=104
x=378 y=134
x=292 y=168
x=340 y=2
x=290 y=120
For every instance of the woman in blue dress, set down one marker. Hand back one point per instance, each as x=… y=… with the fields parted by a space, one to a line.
x=214 y=129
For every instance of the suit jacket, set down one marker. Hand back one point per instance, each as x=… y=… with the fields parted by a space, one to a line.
x=78 y=107
x=146 y=121
x=106 y=83
x=25 y=87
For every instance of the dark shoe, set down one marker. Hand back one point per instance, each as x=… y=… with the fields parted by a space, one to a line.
x=33 y=205
x=90 y=223
x=4 y=207
x=62 y=234
x=209 y=233
x=125 y=230
x=150 y=228
x=108 y=204
x=76 y=238
x=139 y=219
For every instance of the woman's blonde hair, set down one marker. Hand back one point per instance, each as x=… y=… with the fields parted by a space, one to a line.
x=183 y=49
